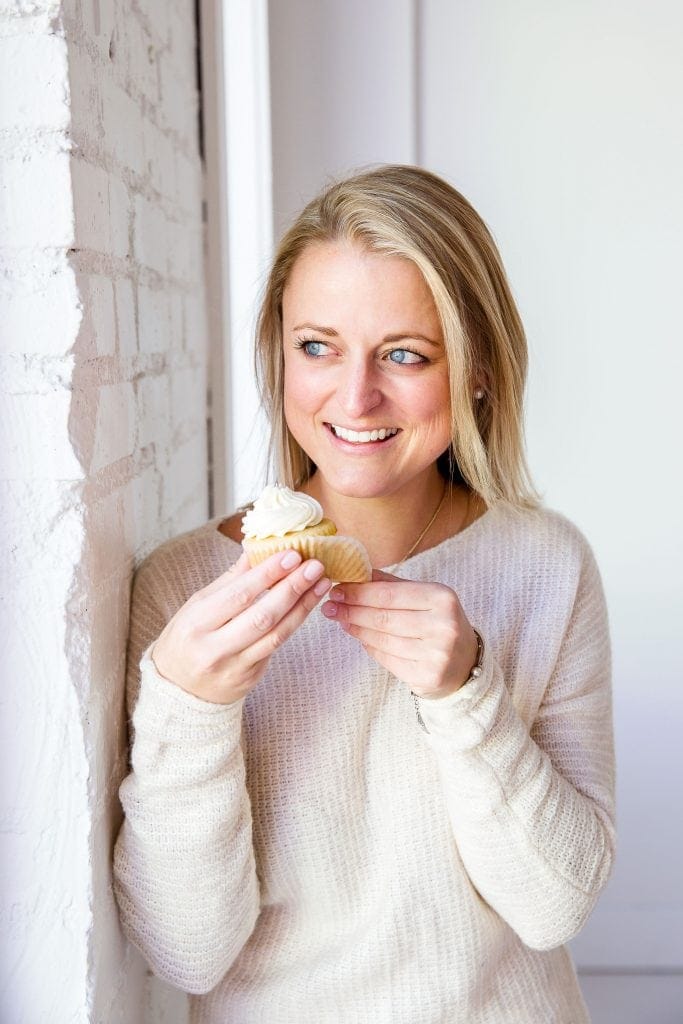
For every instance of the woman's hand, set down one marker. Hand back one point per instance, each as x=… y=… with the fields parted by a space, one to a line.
x=218 y=644
x=418 y=631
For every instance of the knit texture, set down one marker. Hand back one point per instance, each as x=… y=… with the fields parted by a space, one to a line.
x=311 y=855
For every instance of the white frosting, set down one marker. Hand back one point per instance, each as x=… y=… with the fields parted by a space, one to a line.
x=278 y=511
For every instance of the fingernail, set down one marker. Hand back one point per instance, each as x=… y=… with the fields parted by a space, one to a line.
x=329 y=610
x=290 y=559
x=321 y=587
x=313 y=569
x=337 y=594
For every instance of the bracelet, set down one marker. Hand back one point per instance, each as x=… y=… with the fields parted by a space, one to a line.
x=475 y=672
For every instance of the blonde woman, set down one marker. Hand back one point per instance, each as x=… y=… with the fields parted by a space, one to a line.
x=392 y=801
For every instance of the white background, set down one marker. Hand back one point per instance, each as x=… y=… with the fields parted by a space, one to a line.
x=561 y=123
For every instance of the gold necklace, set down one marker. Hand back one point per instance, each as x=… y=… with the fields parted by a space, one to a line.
x=426 y=529
x=431 y=522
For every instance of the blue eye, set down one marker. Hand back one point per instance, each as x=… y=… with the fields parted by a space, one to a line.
x=405 y=357
x=314 y=349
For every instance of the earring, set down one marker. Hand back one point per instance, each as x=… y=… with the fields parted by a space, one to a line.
x=478 y=393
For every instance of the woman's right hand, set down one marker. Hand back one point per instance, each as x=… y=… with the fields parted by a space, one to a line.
x=218 y=644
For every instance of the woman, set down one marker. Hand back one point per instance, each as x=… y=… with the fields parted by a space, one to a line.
x=396 y=806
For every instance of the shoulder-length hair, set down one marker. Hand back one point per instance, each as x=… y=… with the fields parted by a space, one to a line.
x=409 y=212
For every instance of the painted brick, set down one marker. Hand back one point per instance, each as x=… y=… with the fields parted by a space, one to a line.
x=188 y=396
x=106 y=544
x=35 y=432
x=160 y=158
x=101 y=308
x=142 y=504
x=123 y=117
x=98 y=22
x=35 y=200
x=120 y=215
x=38 y=97
x=185 y=251
x=176 y=319
x=196 y=328
x=179 y=483
x=189 y=183
x=153 y=409
x=175 y=111
x=150 y=237
x=114 y=425
x=91 y=203
x=39 y=310
x=153 y=319
x=36 y=17
x=99 y=164
x=126 y=329
x=118 y=50
x=143 y=55
x=85 y=96
x=181 y=43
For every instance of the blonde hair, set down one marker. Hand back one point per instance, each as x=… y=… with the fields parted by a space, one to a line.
x=409 y=212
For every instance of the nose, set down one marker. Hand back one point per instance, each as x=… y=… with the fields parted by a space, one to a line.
x=358 y=391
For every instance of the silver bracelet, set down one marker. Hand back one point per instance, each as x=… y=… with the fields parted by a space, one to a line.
x=475 y=672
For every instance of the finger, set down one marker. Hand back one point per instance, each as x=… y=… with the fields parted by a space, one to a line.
x=411 y=623
x=405 y=669
x=265 y=616
x=396 y=646
x=390 y=594
x=233 y=592
x=289 y=623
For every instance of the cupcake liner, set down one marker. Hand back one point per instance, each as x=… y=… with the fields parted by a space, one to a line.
x=345 y=559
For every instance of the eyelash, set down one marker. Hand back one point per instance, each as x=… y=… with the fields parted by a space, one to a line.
x=300 y=343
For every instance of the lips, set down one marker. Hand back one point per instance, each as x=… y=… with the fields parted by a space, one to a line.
x=362 y=436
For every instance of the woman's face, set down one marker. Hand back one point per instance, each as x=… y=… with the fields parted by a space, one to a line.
x=366 y=380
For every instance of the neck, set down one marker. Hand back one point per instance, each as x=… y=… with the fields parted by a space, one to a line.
x=388 y=525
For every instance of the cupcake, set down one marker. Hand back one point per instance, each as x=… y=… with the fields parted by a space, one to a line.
x=282 y=520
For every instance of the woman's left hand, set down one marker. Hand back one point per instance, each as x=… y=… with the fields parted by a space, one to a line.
x=418 y=631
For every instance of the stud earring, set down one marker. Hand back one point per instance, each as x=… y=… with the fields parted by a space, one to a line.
x=478 y=393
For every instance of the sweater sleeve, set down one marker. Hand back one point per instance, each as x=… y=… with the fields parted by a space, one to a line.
x=184 y=868
x=532 y=811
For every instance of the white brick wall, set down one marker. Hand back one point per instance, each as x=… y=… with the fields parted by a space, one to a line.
x=102 y=384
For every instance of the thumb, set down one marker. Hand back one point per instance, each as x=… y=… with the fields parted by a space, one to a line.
x=378 y=575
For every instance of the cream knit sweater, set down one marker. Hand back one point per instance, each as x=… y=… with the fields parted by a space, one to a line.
x=311 y=855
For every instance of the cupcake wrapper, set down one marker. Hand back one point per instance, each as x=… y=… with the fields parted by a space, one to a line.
x=345 y=559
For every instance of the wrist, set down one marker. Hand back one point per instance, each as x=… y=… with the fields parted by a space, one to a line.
x=474 y=673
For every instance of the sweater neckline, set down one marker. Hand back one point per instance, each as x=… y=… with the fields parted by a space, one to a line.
x=455 y=539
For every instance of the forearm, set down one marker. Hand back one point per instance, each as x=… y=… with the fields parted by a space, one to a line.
x=537 y=843
x=185 y=875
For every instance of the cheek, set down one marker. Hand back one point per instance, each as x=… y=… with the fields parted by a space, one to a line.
x=431 y=403
x=293 y=381
x=301 y=395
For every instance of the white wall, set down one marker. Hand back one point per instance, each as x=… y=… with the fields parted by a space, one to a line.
x=561 y=123
x=104 y=455
x=343 y=92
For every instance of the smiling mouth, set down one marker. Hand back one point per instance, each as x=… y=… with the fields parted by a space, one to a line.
x=363 y=436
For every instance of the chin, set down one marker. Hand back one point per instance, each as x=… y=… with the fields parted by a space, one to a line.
x=360 y=485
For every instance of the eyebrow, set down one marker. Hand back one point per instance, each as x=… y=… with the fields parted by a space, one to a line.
x=402 y=336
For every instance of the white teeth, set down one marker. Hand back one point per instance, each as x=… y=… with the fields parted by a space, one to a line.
x=362 y=436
